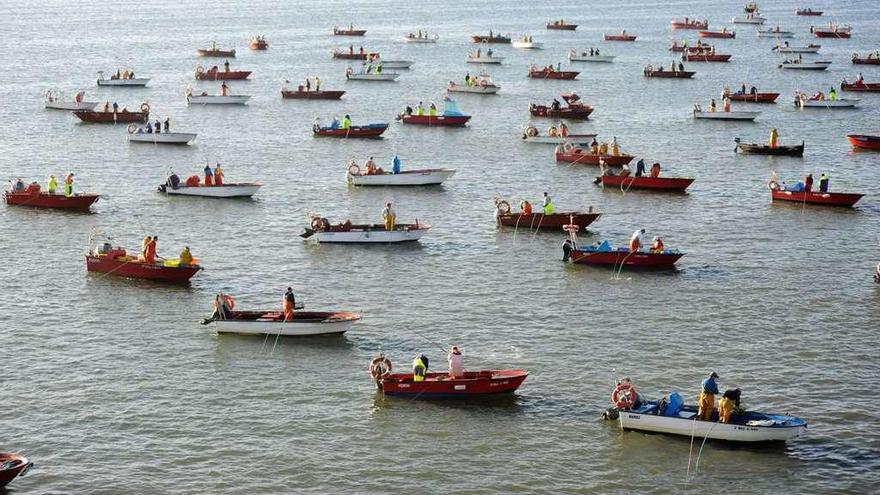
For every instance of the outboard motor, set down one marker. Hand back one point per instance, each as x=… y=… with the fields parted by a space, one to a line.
x=610 y=414
x=173 y=181
x=567 y=247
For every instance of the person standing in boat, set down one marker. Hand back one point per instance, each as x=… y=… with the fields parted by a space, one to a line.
x=635 y=242
x=389 y=216
x=832 y=94
x=712 y=105
x=186 y=257
x=209 y=175
x=728 y=404
x=308 y=84
x=655 y=170
x=640 y=167
x=226 y=66
x=68 y=185
x=707 y=398
x=167 y=125
x=395 y=165
x=808 y=183
x=548 y=204
x=52 y=184
x=158 y=126
x=456 y=365
x=218 y=175
x=150 y=251
x=288 y=303
x=346 y=121
x=823 y=183
x=317 y=83
x=774 y=137
x=224 y=89
x=432 y=110
x=420 y=368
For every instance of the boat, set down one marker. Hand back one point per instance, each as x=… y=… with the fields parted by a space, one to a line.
x=869 y=59
x=259 y=43
x=300 y=93
x=116 y=80
x=215 y=74
x=604 y=255
x=436 y=385
x=204 y=98
x=33 y=196
x=351 y=31
x=705 y=57
x=809 y=12
x=192 y=187
x=649 y=71
x=532 y=135
x=672 y=417
x=577 y=155
x=539 y=220
x=764 y=149
x=748 y=19
x=689 y=24
x=551 y=73
x=801 y=100
x=355 y=131
x=750 y=8
x=732 y=115
x=801 y=65
x=526 y=43
x=419 y=177
x=751 y=97
x=392 y=64
x=215 y=52
x=832 y=31
x=138 y=134
x=482 y=84
x=561 y=25
x=55 y=101
x=811 y=48
x=353 y=55
x=478 y=57
x=864 y=141
x=670 y=184
x=490 y=38
x=450 y=116
x=574 y=111
x=775 y=33
x=109 y=117
x=111 y=260
x=321 y=229
x=366 y=74
x=585 y=56
x=420 y=38
x=13 y=466
x=859 y=85
x=723 y=34
x=618 y=37
x=777 y=193
x=273 y=322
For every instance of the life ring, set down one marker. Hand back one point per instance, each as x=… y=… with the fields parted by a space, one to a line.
x=484 y=84
x=773 y=185
x=504 y=206
x=200 y=69
x=532 y=131
x=354 y=169
x=624 y=396
x=571 y=227
x=132 y=128
x=567 y=147
x=230 y=302
x=145 y=107
x=320 y=223
x=380 y=367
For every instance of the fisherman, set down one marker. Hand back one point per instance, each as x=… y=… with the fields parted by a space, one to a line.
x=209 y=175
x=288 y=303
x=224 y=89
x=624 y=172
x=389 y=216
x=808 y=183
x=370 y=167
x=712 y=106
x=467 y=77
x=144 y=244
x=707 y=398
x=420 y=110
x=635 y=242
x=726 y=104
x=526 y=207
x=115 y=107
x=615 y=149
x=226 y=66
x=456 y=366
x=594 y=147
x=334 y=124
x=420 y=368
x=680 y=67
x=186 y=257
x=158 y=127
x=547 y=205
x=167 y=125
x=308 y=84
x=395 y=165
x=823 y=183
x=346 y=122
x=68 y=185
x=432 y=111
x=317 y=83
x=563 y=129
x=728 y=404
x=149 y=128
x=218 y=175
x=640 y=167
x=222 y=310
x=150 y=251
x=52 y=185
x=556 y=105
x=657 y=246
x=832 y=95
x=774 y=137
x=655 y=170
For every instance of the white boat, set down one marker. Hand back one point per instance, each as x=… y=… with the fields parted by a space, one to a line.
x=124 y=82
x=347 y=232
x=232 y=190
x=801 y=65
x=55 y=101
x=394 y=64
x=527 y=43
x=411 y=38
x=586 y=57
x=303 y=323
x=801 y=100
x=797 y=49
x=737 y=115
x=748 y=19
x=482 y=85
x=206 y=99
x=573 y=139
x=363 y=75
x=424 y=177
x=483 y=59
x=774 y=33
x=137 y=134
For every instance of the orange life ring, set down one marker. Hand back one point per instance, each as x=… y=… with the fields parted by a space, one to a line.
x=624 y=396
x=380 y=367
x=145 y=107
x=567 y=147
x=230 y=302
x=354 y=169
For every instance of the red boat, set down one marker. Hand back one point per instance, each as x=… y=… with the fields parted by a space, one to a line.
x=705 y=57
x=723 y=34
x=258 y=43
x=481 y=38
x=546 y=73
x=575 y=112
x=645 y=260
x=354 y=55
x=13 y=466
x=864 y=141
x=362 y=131
x=561 y=26
x=290 y=94
x=214 y=74
x=576 y=155
x=443 y=385
x=656 y=183
x=618 y=37
x=816 y=198
x=349 y=32
x=832 y=32
x=436 y=120
x=122 y=117
x=553 y=221
x=753 y=97
x=860 y=86
x=809 y=12
x=38 y=199
x=689 y=24
x=115 y=261
x=215 y=53
x=865 y=60
x=667 y=74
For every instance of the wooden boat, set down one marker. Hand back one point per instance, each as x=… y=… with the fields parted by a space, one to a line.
x=764 y=149
x=206 y=99
x=689 y=24
x=618 y=37
x=355 y=131
x=303 y=323
x=705 y=57
x=667 y=74
x=816 y=198
x=483 y=59
x=802 y=101
x=351 y=75
x=214 y=74
x=13 y=466
x=322 y=231
x=258 y=43
x=412 y=38
x=301 y=94
x=723 y=34
x=809 y=12
x=215 y=53
x=775 y=33
x=119 y=82
x=733 y=115
x=859 y=86
x=553 y=221
x=586 y=57
x=137 y=134
x=42 y=199
x=231 y=190
x=55 y=101
x=621 y=257
x=864 y=141
x=752 y=97
x=748 y=19
x=579 y=156
x=578 y=111
x=489 y=38
x=354 y=55
x=526 y=43
x=671 y=184
x=561 y=26
x=434 y=120
x=471 y=384
x=121 y=117
x=867 y=60
x=351 y=31
x=122 y=265
x=832 y=31
x=811 y=48
x=422 y=177
x=545 y=73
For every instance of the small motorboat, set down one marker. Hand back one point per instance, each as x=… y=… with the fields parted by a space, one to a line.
x=55 y=101
x=809 y=12
x=323 y=232
x=732 y=115
x=625 y=183
x=421 y=177
x=650 y=71
x=775 y=33
x=436 y=385
x=602 y=254
x=577 y=111
x=618 y=37
x=777 y=193
x=705 y=57
x=139 y=134
x=393 y=64
x=749 y=19
x=215 y=74
x=478 y=57
x=420 y=37
x=273 y=322
x=123 y=80
x=751 y=97
x=532 y=135
x=367 y=74
x=450 y=116
x=215 y=52
x=481 y=84
x=765 y=149
x=801 y=100
x=350 y=31
x=672 y=417
x=576 y=155
x=300 y=93
x=550 y=73
x=110 y=117
x=540 y=221
x=864 y=141
x=490 y=38
x=355 y=131
x=689 y=24
x=259 y=43
x=811 y=48
x=585 y=56
x=353 y=55
x=13 y=466
x=860 y=85
x=832 y=31
x=204 y=98
x=561 y=25
x=723 y=34
x=31 y=195
x=869 y=59
x=110 y=260
x=193 y=187
x=527 y=43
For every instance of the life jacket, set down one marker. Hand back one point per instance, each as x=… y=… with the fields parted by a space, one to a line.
x=420 y=368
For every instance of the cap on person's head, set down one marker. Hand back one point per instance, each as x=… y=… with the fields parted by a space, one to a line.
x=643 y=231
x=290 y=288
x=388 y=203
x=713 y=375
x=186 y=247
x=455 y=348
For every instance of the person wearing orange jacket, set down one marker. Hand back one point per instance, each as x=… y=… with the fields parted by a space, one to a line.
x=218 y=175
x=68 y=185
x=287 y=304
x=150 y=253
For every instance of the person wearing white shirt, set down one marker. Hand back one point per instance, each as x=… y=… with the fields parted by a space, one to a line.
x=456 y=366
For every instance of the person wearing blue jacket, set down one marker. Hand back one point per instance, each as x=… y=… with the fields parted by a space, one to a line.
x=395 y=165
x=707 y=398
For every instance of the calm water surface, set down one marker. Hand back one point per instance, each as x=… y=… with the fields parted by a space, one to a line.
x=111 y=386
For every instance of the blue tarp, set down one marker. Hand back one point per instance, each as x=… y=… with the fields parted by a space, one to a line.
x=673 y=404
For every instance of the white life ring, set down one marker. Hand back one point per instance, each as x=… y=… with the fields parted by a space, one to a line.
x=567 y=147
x=532 y=131
x=132 y=128
x=504 y=206
x=354 y=169
x=200 y=69
x=145 y=107
x=484 y=84
x=773 y=185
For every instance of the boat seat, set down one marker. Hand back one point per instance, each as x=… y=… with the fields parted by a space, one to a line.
x=686 y=414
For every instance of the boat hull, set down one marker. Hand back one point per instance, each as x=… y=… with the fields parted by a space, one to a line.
x=526 y=45
x=14 y=465
x=742 y=116
x=666 y=74
x=480 y=90
x=817 y=198
x=775 y=34
x=224 y=191
x=135 y=269
x=303 y=324
x=428 y=177
x=797 y=49
x=717 y=34
x=591 y=58
x=162 y=138
x=554 y=221
x=575 y=139
x=373 y=235
x=865 y=61
x=685 y=425
x=864 y=141
x=123 y=82
x=349 y=32
x=562 y=27
x=817 y=65
x=353 y=56
x=701 y=57
x=689 y=25
x=215 y=53
x=217 y=100
x=442 y=386
x=71 y=105
x=674 y=184
x=438 y=120
x=573 y=112
x=45 y=200
x=842 y=103
x=311 y=95
x=111 y=117
x=832 y=34
x=367 y=131
x=485 y=60
x=618 y=37
x=221 y=75
x=591 y=159
x=563 y=75
x=384 y=77
x=754 y=98
x=863 y=87
x=763 y=149
x=622 y=257
x=477 y=38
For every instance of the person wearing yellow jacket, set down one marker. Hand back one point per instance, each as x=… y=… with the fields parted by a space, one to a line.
x=186 y=257
x=706 y=405
x=53 y=184
x=68 y=185
x=389 y=216
x=728 y=404
x=420 y=368
x=774 y=137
